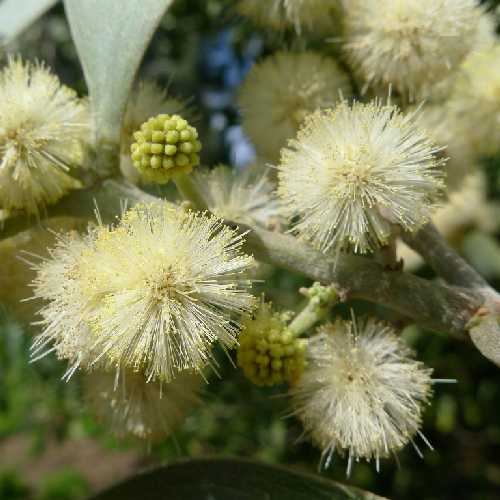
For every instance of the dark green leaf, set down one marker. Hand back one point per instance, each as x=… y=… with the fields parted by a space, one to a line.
x=230 y=479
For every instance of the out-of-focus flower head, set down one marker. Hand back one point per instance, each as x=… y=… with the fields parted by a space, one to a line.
x=132 y=407
x=410 y=44
x=310 y=15
x=475 y=101
x=282 y=90
x=240 y=195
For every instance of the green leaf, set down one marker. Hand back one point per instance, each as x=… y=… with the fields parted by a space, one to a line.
x=111 y=37
x=230 y=479
x=16 y=16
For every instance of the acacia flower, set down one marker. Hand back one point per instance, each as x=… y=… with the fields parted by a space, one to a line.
x=282 y=90
x=362 y=393
x=475 y=101
x=355 y=170
x=42 y=127
x=245 y=196
x=132 y=407
x=411 y=44
x=152 y=293
x=146 y=100
x=165 y=146
x=313 y=15
x=269 y=353
x=444 y=129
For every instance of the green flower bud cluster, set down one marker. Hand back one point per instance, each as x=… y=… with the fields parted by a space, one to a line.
x=269 y=353
x=165 y=147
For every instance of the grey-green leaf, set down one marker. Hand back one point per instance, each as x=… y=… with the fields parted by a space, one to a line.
x=230 y=479
x=17 y=15
x=111 y=37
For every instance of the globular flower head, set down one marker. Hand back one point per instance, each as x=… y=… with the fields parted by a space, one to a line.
x=362 y=393
x=166 y=146
x=146 y=100
x=132 y=407
x=43 y=125
x=152 y=294
x=269 y=353
x=313 y=15
x=444 y=129
x=245 y=196
x=411 y=44
x=354 y=171
x=282 y=90
x=475 y=101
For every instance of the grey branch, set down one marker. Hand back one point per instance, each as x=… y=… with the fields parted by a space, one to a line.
x=430 y=304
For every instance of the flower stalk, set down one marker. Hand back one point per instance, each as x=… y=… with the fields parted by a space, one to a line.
x=320 y=300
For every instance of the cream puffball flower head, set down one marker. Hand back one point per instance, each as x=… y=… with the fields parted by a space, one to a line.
x=362 y=393
x=310 y=15
x=280 y=91
x=354 y=171
x=245 y=196
x=132 y=407
x=42 y=127
x=410 y=44
x=475 y=101
x=152 y=293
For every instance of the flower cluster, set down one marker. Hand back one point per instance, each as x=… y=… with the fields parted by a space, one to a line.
x=282 y=90
x=165 y=146
x=362 y=393
x=269 y=353
x=312 y=15
x=356 y=170
x=147 y=99
x=131 y=407
x=43 y=126
x=412 y=44
x=152 y=293
x=245 y=196
x=475 y=101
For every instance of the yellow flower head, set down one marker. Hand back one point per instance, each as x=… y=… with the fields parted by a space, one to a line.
x=42 y=127
x=282 y=90
x=362 y=393
x=153 y=293
x=355 y=171
x=475 y=101
x=245 y=196
x=268 y=352
x=165 y=146
x=410 y=44
x=132 y=407
x=312 y=15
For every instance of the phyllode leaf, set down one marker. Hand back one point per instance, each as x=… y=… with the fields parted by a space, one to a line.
x=16 y=16
x=230 y=479
x=111 y=38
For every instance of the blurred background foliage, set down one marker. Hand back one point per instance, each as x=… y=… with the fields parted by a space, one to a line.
x=51 y=448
